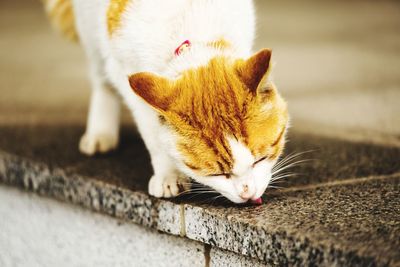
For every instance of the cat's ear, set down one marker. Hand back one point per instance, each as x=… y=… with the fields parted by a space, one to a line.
x=254 y=71
x=155 y=90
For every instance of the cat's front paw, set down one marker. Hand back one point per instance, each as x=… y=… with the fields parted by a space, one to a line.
x=91 y=144
x=170 y=186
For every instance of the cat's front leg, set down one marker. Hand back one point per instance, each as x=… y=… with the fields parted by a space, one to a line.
x=168 y=185
x=167 y=181
x=102 y=129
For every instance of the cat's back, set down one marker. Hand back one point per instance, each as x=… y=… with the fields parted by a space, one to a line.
x=190 y=19
x=155 y=28
x=146 y=31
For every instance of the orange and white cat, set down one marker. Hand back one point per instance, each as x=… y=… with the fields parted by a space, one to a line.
x=203 y=103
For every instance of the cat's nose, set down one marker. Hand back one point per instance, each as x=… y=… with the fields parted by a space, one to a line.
x=247 y=192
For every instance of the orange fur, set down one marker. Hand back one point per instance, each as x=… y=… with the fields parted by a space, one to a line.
x=255 y=69
x=114 y=14
x=61 y=14
x=220 y=43
x=222 y=99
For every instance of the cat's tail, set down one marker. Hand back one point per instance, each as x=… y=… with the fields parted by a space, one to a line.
x=61 y=14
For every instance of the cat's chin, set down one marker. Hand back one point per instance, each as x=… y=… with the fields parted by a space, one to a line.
x=256 y=199
x=242 y=201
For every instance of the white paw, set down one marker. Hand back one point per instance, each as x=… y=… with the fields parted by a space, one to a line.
x=170 y=186
x=91 y=144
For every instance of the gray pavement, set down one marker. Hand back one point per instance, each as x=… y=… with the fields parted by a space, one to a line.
x=341 y=209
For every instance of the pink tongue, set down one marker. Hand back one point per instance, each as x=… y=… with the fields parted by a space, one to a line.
x=257 y=201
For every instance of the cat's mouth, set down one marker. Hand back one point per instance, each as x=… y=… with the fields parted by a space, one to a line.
x=237 y=199
x=257 y=201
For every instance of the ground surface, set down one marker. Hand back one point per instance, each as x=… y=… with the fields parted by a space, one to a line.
x=337 y=64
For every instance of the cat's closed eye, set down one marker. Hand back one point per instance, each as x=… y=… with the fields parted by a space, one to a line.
x=260 y=160
x=226 y=175
x=279 y=137
x=229 y=175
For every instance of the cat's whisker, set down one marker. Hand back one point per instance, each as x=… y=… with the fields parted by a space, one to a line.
x=280 y=180
x=283 y=173
x=275 y=187
x=290 y=157
x=197 y=189
x=216 y=198
x=196 y=186
x=191 y=196
x=286 y=159
x=198 y=192
x=282 y=177
x=202 y=191
x=184 y=192
x=200 y=186
x=276 y=183
x=291 y=165
x=289 y=162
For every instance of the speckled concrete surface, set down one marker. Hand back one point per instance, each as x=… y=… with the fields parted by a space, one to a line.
x=223 y=258
x=352 y=225
x=47 y=233
x=329 y=159
x=326 y=215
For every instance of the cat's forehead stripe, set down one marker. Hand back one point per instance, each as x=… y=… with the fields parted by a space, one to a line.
x=242 y=156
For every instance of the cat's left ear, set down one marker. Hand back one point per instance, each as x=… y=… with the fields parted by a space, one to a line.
x=155 y=90
x=255 y=70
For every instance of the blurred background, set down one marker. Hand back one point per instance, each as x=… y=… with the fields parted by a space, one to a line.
x=336 y=62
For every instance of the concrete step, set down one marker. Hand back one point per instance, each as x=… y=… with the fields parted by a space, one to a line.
x=344 y=210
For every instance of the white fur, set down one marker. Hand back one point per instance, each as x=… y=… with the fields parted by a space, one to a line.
x=150 y=32
x=244 y=173
x=103 y=118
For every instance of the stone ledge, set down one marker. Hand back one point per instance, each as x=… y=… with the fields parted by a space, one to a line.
x=48 y=233
x=295 y=227
x=45 y=232
x=227 y=228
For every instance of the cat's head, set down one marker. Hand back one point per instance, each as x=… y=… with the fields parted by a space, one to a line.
x=224 y=123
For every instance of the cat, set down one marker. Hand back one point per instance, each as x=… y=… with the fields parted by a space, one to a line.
x=205 y=105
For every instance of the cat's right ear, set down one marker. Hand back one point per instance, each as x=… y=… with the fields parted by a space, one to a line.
x=254 y=71
x=155 y=90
